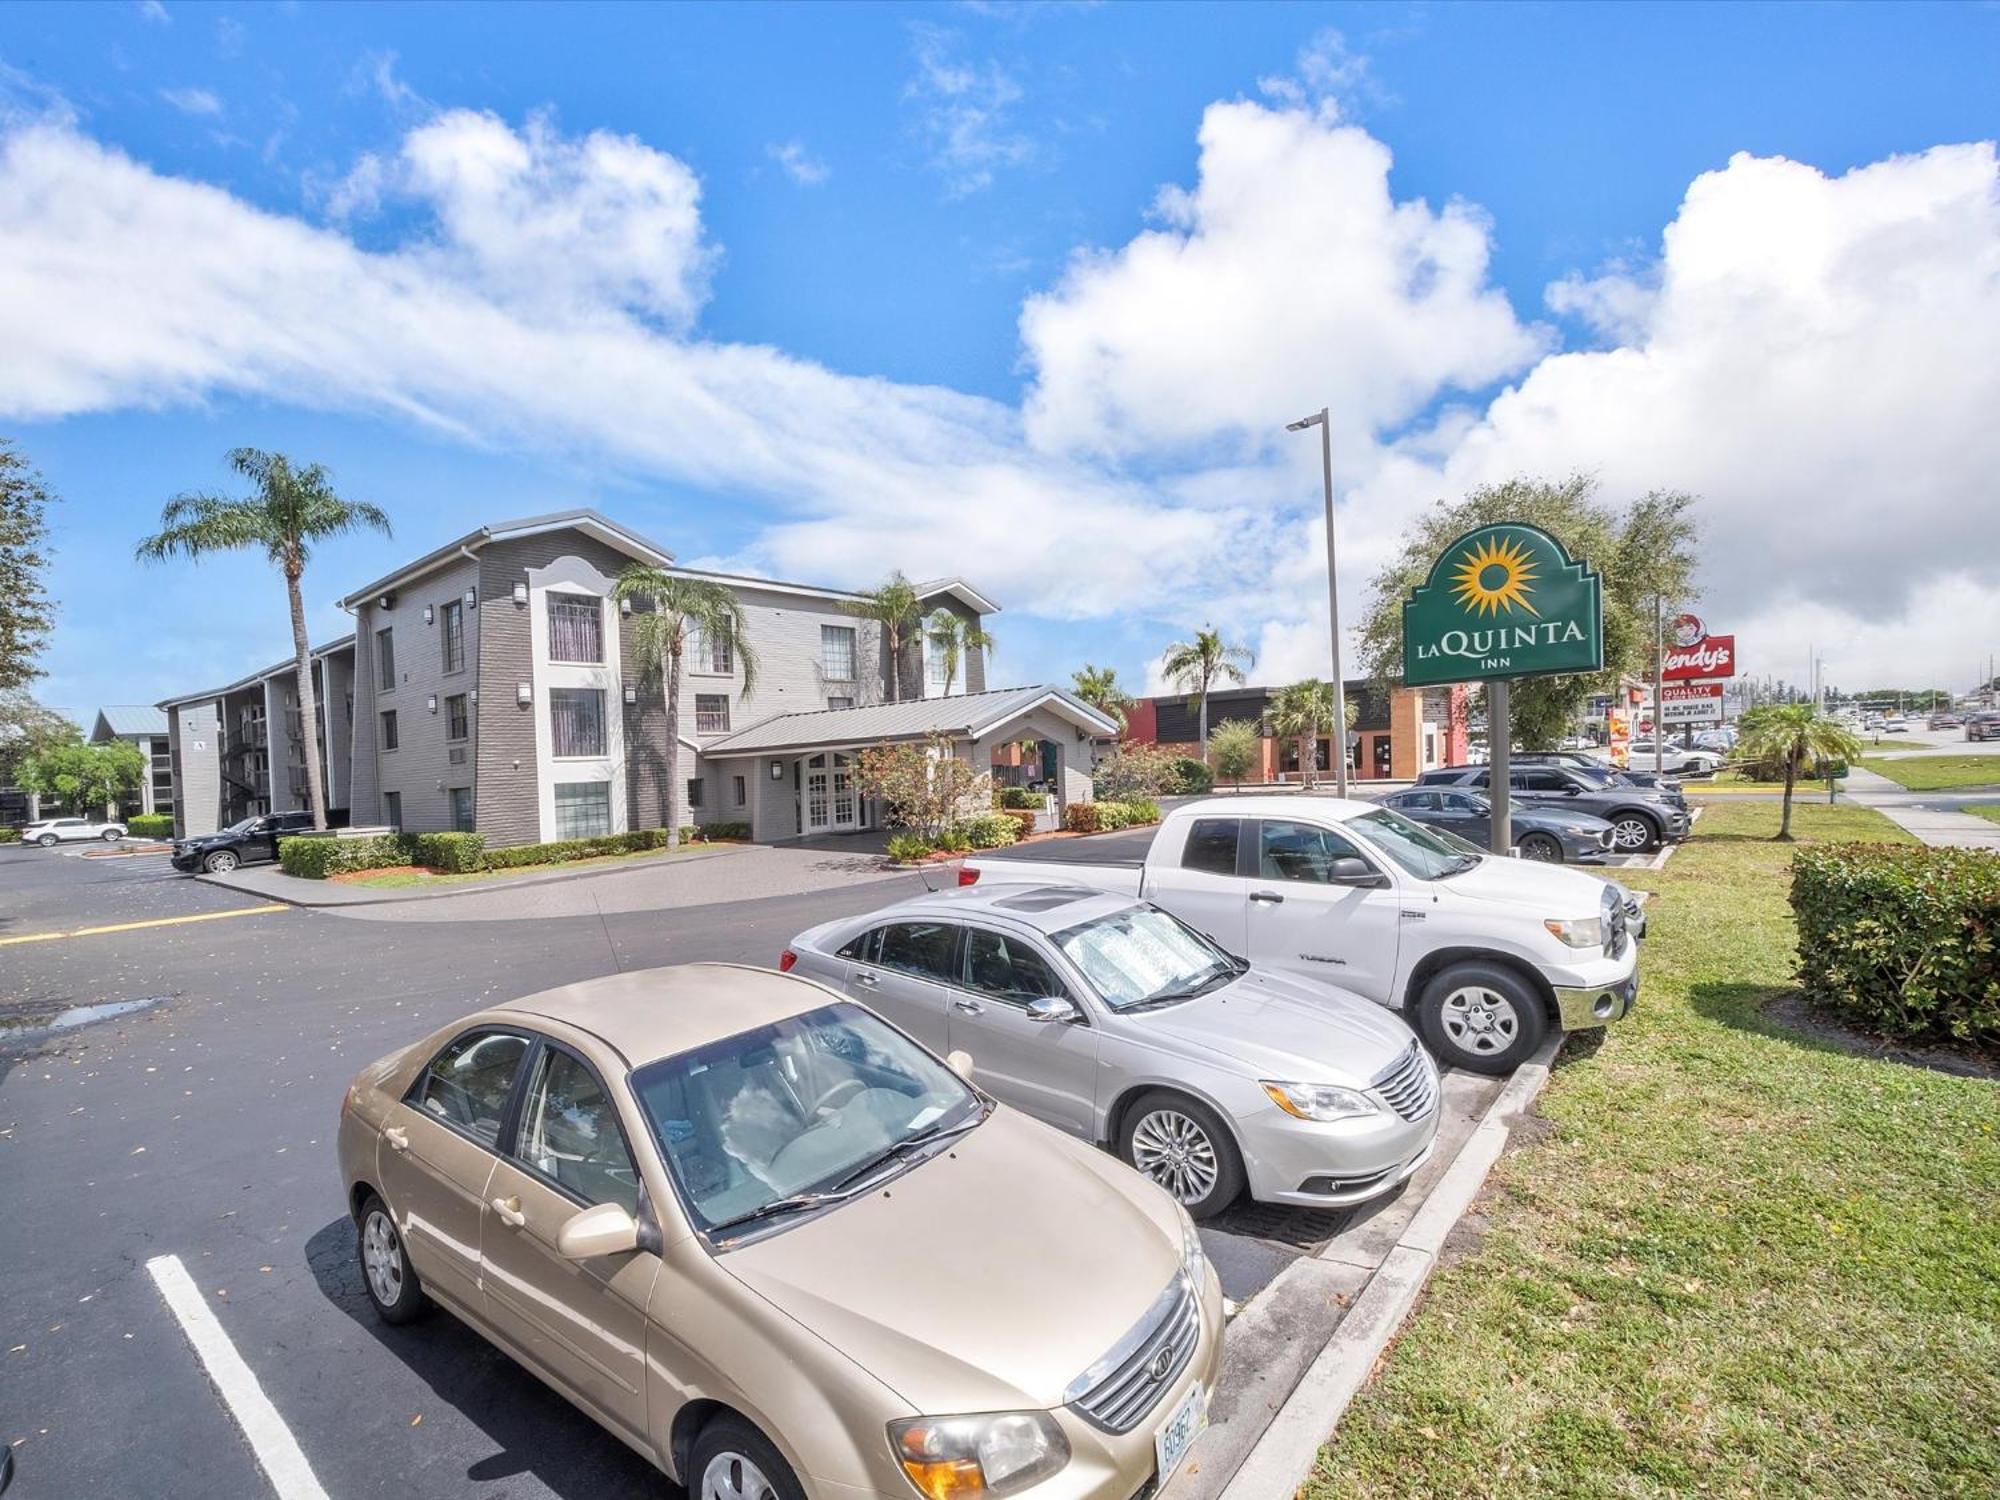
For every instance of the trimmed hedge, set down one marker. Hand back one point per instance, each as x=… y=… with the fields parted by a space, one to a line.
x=1902 y=939
x=454 y=853
x=1017 y=797
x=315 y=858
x=994 y=830
x=10 y=835
x=150 y=826
x=1192 y=777
x=1109 y=817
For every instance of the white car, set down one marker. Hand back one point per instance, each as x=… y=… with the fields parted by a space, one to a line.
x=1484 y=955
x=1676 y=760
x=52 y=831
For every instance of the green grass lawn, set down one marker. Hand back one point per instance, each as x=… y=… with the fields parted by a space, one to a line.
x=400 y=879
x=1728 y=782
x=1734 y=1262
x=1988 y=810
x=1936 y=773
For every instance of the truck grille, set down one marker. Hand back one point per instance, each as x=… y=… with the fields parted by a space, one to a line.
x=1410 y=1084
x=1116 y=1393
x=1614 y=926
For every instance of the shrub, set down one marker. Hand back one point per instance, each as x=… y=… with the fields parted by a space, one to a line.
x=994 y=830
x=452 y=852
x=1084 y=817
x=559 y=851
x=150 y=826
x=1018 y=797
x=953 y=840
x=316 y=856
x=1902 y=939
x=908 y=848
x=10 y=835
x=1022 y=819
x=1135 y=769
x=1192 y=778
x=1142 y=810
x=1233 y=746
x=716 y=831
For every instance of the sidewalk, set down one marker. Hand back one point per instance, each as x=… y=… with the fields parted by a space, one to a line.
x=1939 y=827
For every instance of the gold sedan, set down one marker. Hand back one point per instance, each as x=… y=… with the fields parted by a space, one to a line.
x=780 y=1249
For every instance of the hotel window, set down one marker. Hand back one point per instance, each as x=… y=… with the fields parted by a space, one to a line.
x=711 y=713
x=457 y=722
x=718 y=657
x=392 y=809
x=453 y=635
x=933 y=667
x=389 y=740
x=576 y=722
x=576 y=628
x=461 y=809
x=583 y=809
x=385 y=660
x=836 y=652
x=840 y=700
x=694 y=792
x=740 y=789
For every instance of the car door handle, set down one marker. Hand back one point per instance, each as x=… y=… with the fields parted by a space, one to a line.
x=397 y=1137
x=968 y=1007
x=866 y=981
x=510 y=1213
x=1270 y=897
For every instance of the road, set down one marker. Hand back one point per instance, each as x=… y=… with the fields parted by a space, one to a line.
x=199 y=1123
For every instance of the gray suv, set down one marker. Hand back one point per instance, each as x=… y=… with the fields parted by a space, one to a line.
x=1639 y=819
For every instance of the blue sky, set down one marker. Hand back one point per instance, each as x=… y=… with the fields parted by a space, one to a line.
x=882 y=188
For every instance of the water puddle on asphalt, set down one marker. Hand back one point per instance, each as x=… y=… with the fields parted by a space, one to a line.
x=34 y=1028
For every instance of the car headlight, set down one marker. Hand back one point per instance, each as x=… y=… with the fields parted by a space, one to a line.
x=961 y=1458
x=1324 y=1102
x=1578 y=932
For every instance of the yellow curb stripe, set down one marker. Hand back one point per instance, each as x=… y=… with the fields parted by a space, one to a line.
x=208 y=916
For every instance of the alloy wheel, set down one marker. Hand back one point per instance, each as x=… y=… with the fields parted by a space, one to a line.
x=382 y=1258
x=1175 y=1152
x=1631 y=833
x=1542 y=850
x=1479 y=1021
x=221 y=863
x=731 y=1476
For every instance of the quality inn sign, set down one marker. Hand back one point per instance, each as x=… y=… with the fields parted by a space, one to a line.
x=1503 y=601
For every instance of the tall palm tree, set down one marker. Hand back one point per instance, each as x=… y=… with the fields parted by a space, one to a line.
x=955 y=637
x=894 y=606
x=1098 y=686
x=1795 y=735
x=682 y=609
x=1303 y=711
x=292 y=510
x=1197 y=665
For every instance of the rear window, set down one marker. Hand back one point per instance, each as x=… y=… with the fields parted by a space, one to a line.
x=926 y=949
x=467 y=1084
x=1211 y=846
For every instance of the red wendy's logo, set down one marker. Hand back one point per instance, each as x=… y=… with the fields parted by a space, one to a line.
x=1686 y=630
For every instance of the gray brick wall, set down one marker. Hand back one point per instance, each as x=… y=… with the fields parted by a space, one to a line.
x=197 y=773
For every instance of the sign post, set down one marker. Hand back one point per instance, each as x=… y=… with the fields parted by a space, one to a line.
x=1502 y=602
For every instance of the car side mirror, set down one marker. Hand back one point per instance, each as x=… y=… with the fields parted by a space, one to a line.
x=1350 y=869
x=608 y=1229
x=1053 y=1008
x=1573 y=790
x=961 y=1064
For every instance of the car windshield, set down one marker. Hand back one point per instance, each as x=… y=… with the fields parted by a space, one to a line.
x=1142 y=957
x=789 y=1115
x=1421 y=851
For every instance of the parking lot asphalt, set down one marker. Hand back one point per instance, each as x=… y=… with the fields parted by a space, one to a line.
x=199 y=1123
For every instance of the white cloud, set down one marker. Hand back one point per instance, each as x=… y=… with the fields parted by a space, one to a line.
x=964 y=113
x=193 y=101
x=798 y=163
x=156 y=13
x=1328 y=75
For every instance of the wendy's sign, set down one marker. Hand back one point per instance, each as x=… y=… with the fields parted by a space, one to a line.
x=1503 y=601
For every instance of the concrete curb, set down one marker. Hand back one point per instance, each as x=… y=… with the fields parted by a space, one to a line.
x=1282 y=1459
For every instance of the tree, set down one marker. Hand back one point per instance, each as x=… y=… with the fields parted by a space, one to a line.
x=894 y=606
x=956 y=638
x=1303 y=711
x=292 y=510
x=680 y=607
x=925 y=788
x=27 y=614
x=1642 y=553
x=1098 y=686
x=84 y=778
x=1795 y=735
x=1197 y=665
x=25 y=728
x=1232 y=749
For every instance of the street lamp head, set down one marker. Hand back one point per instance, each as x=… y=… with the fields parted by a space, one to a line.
x=1304 y=422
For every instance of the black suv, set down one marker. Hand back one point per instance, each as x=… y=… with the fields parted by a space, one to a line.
x=246 y=843
x=1639 y=819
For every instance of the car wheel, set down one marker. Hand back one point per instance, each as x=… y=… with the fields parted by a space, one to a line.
x=1634 y=832
x=1184 y=1148
x=385 y=1268
x=47 y=841
x=1541 y=848
x=731 y=1460
x=1481 y=1017
x=111 y=835
x=221 y=862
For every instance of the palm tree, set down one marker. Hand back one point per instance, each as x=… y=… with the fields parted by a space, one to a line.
x=1795 y=734
x=1195 y=666
x=682 y=608
x=1098 y=686
x=1303 y=711
x=894 y=606
x=956 y=637
x=292 y=510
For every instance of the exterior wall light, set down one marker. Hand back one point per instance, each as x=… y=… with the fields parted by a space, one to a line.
x=431 y=703
x=521 y=595
x=631 y=693
x=524 y=693
x=777 y=770
x=472 y=598
x=625 y=606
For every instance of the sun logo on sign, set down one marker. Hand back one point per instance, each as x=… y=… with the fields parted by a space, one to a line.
x=1495 y=576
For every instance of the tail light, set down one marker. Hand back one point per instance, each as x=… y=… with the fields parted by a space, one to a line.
x=967 y=875
x=786 y=960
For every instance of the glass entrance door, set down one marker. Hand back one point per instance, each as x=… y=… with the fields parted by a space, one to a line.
x=831 y=803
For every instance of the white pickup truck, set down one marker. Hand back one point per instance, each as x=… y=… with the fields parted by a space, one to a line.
x=1483 y=954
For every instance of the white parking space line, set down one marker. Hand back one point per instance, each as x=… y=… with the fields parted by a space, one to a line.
x=283 y=1461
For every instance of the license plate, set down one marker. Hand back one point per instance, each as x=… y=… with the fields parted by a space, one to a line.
x=1173 y=1439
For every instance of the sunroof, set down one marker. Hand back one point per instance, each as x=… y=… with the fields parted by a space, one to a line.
x=1046 y=898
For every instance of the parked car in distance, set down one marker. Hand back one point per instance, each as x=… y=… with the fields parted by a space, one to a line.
x=1983 y=724
x=1674 y=760
x=1553 y=835
x=48 y=832
x=248 y=842
x=1896 y=725
x=778 y=1248
x=1640 y=818
x=1115 y=1022
x=1483 y=955
x=1598 y=770
x=1944 y=721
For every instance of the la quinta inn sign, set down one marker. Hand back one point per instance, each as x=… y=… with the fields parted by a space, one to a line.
x=1501 y=602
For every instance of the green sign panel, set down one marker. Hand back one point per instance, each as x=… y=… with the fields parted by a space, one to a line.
x=1503 y=601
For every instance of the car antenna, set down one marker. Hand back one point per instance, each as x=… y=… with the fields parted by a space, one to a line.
x=924 y=874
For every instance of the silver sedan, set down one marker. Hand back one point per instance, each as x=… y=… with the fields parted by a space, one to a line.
x=1114 y=1021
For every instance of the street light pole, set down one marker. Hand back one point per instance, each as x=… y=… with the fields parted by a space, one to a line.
x=1320 y=419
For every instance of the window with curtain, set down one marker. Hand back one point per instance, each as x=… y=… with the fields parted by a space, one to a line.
x=711 y=713
x=451 y=634
x=576 y=721
x=836 y=652
x=576 y=628
x=718 y=657
x=583 y=809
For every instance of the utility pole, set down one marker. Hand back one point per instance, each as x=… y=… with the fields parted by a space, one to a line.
x=1659 y=685
x=1320 y=419
x=1499 y=766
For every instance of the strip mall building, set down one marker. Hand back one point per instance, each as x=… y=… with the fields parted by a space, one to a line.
x=1397 y=733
